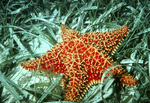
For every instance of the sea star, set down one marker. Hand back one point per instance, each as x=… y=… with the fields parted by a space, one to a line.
x=83 y=59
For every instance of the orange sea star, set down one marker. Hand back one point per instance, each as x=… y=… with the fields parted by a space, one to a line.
x=83 y=59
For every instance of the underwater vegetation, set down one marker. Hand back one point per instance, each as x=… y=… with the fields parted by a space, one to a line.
x=28 y=28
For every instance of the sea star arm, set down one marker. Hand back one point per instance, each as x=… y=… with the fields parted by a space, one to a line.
x=106 y=41
x=128 y=80
x=74 y=83
x=68 y=34
x=112 y=39
x=51 y=61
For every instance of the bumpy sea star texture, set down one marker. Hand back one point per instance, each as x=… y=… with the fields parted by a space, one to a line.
x=83 y=58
